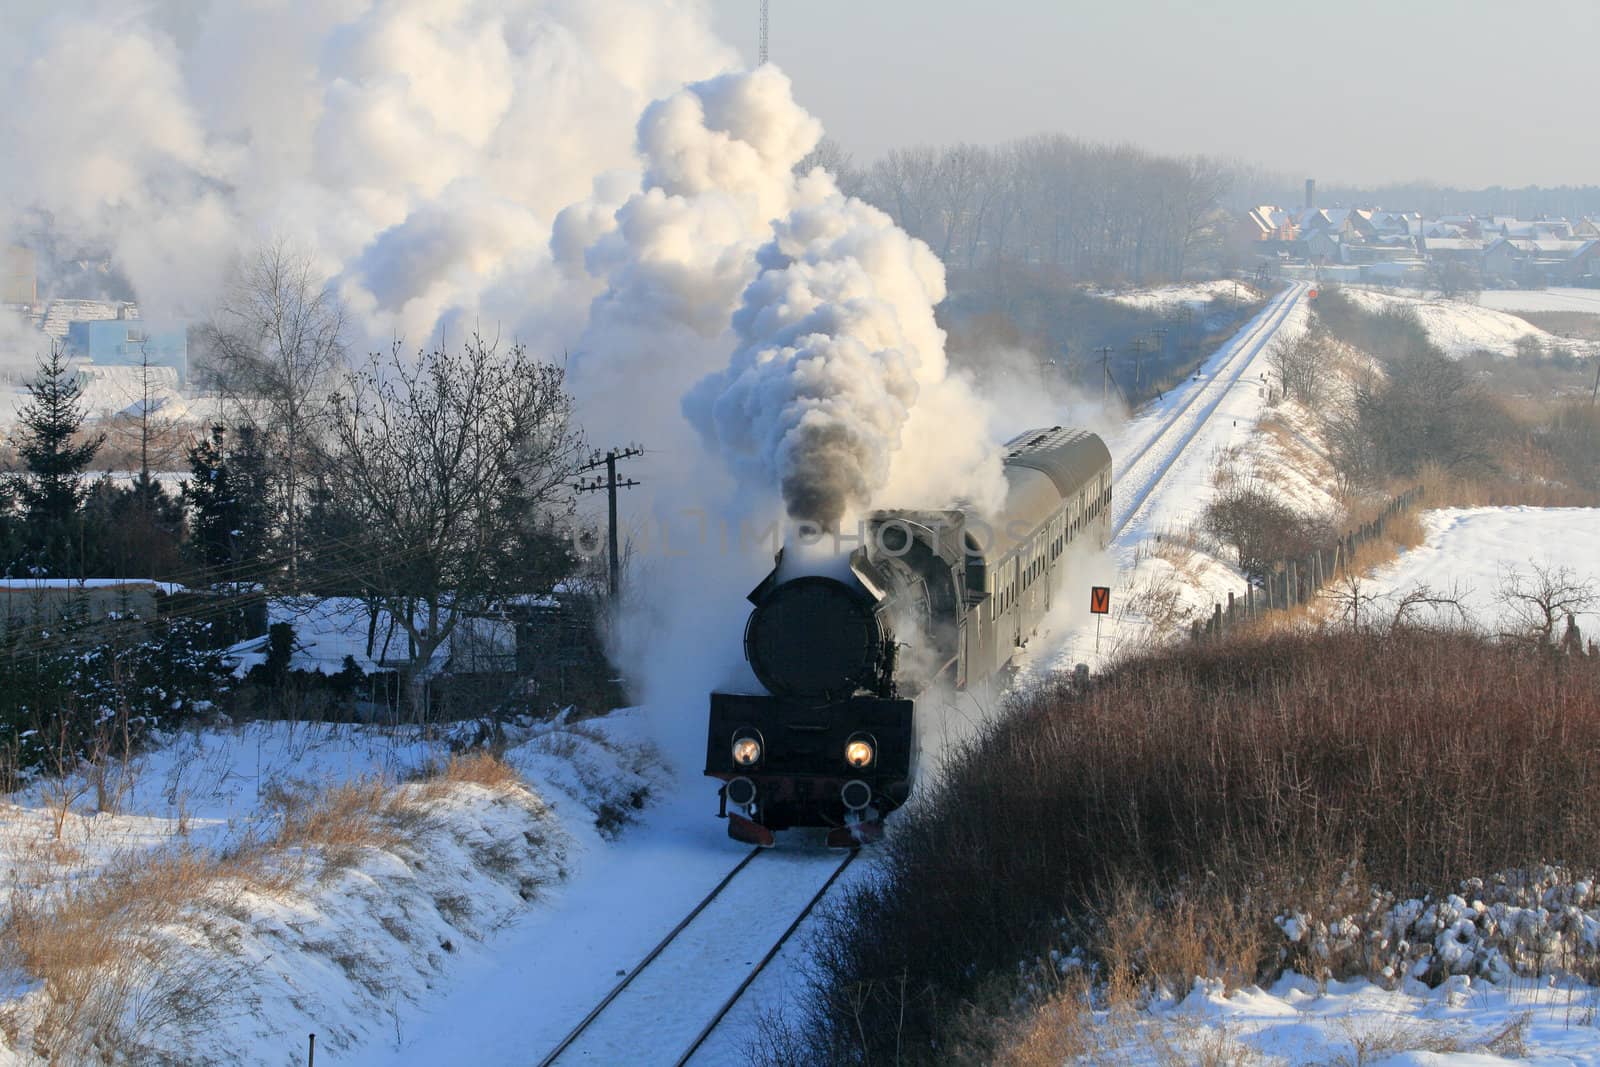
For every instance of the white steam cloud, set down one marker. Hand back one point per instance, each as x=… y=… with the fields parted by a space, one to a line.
x=418 y=149
x=589 y=177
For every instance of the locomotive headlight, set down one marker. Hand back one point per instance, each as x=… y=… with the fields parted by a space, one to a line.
x=859 y=753
x=746 y=751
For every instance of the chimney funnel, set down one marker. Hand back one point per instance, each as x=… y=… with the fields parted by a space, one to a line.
x=1311 y=192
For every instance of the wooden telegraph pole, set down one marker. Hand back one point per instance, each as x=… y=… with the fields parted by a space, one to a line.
x=610 y=484
x=1105 y=372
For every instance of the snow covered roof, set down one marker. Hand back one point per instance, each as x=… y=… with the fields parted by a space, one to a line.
x=1547 y=246
x=1454 y=244
x=329 y=630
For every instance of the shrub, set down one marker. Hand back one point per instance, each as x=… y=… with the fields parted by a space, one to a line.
x=83 y=691
x=1287 y=772
x=1260 y=527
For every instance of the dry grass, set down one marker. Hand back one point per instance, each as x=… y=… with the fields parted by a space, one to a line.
x=1178 y=806
x=1143 y=944
x=96 y=944
x=110 y=979
x=342 y=821
x=478 y=768
x=1528 y=476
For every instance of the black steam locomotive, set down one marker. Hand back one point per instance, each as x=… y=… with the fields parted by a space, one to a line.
x=931 y=597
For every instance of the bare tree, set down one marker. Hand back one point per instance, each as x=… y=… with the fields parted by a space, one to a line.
x=905 y=184
x=1535 y=603
x=1450 y=603
x=831 y=156
x=274 y=347
x=1302 y=365
x=448 y=462
x=1454 y=280
x=150 y=428
x=962 y=169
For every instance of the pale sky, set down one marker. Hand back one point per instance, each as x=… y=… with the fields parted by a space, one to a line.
x=1463 y=92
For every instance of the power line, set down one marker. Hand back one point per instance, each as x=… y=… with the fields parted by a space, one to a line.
x=1105 y=372
x=610 y=484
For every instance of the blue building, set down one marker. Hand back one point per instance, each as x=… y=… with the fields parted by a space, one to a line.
x=130 y=342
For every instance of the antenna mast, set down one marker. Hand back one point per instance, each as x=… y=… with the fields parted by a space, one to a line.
x=762 y=50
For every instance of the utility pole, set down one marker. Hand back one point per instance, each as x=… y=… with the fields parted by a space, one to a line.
x=1138 y=362
x=1595 y=392
x=609 y=483
x=1105 y=372
x=762 y=48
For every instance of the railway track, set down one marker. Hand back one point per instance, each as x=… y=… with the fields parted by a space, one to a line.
x=1149 y=463
x=666 y=1007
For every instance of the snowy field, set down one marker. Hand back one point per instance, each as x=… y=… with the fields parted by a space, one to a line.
x=1461 y=328
x=1471 y=553
x=1555 y=299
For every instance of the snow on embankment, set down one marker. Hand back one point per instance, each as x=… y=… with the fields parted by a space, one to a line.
x=1475 y=554
x=241 y=889
x=1458 y=328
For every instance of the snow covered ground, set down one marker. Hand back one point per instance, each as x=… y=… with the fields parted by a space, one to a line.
x=1555 y=299
x=1472 y=553
x=297 y=913
x=1461 y=328
x=1462 y=1023
x=1168 y=297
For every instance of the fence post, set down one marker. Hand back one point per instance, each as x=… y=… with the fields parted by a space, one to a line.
x=1294 y=584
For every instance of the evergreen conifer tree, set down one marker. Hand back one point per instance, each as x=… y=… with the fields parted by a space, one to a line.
x=227 y=490
x=52 y=490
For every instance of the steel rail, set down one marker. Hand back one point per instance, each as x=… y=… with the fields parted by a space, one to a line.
x=578 y=1031
x=772 y=953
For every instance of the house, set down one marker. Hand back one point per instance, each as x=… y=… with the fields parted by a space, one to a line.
x=1392 y=223
x=129 y=342
x=1505 y=259
x=1266 y=223
x=1322 y=247
x=1467 y=250
x=1585 y=228
x=1584 y=261
x=1540 y=261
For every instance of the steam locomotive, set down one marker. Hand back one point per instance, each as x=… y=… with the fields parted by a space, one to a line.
x=930 y=598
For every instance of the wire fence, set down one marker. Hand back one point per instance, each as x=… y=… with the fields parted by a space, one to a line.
x=1292 y=582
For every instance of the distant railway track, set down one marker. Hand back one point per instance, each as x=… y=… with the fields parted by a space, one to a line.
x=676 y=1027
x=1163 y=447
